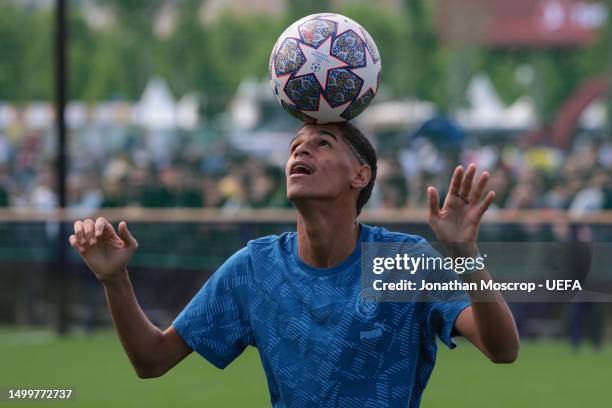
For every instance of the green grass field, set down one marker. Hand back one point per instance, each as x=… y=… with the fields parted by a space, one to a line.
x=546 y=375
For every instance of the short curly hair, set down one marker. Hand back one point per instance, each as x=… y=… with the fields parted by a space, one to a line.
x=365 y=153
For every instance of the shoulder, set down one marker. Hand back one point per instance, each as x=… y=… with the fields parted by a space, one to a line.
x=380 y=234
x=283 y=239
x=270 y=245
x=272 y=239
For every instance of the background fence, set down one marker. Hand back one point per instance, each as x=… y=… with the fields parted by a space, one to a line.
x=180 y=248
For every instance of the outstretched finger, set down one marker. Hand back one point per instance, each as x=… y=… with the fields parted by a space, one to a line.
x=455 y=183
x=468 y=179
x=484 y=206
x=482 y=183
x=434 y=202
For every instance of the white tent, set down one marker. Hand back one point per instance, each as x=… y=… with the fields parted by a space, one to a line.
x=188 y=111
x=39 y=115
x=404 y=113
x=7 y=115
x=595 y=116
x=487 y=111
x=156 y=109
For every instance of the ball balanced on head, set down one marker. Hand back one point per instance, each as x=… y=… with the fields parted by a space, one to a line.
x=325 y=68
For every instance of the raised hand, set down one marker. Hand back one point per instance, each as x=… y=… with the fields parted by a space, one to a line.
x=105 y=251
x=459 y=219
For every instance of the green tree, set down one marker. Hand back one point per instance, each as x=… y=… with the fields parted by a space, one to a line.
x=297 y=9
x=26 y=63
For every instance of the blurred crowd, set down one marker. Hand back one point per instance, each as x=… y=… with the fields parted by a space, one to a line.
x=523 y=176
x=127 y=166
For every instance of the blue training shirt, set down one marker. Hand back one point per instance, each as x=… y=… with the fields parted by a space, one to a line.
x=319 y=345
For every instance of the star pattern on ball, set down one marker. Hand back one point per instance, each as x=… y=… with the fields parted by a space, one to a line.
x=280 y=83
x=328 y=114
x=369 y=81
x=342 y=26
x=293 y=30
x=314 y=58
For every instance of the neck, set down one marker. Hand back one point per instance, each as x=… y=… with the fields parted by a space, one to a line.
x=327 y=234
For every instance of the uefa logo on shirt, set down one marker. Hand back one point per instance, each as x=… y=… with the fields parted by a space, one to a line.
x=367 y=305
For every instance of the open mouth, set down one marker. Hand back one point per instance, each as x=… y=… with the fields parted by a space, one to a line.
x=300 y=169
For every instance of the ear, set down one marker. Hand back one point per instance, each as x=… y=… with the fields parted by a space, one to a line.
x=361 y=177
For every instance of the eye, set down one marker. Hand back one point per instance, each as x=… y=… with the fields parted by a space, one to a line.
x=324 y=143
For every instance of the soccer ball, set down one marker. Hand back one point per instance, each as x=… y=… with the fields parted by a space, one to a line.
x=325 y=68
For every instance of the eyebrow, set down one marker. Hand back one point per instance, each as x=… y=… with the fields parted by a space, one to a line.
x=357 y=155
x=320 y=131
x=325 y=132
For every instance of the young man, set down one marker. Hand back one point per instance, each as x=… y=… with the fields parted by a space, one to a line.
x=296 y=297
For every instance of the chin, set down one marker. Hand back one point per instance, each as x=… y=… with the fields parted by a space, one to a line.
x=301 y=192
x=298 y=194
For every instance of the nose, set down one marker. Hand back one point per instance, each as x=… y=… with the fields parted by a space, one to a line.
x=302 y=149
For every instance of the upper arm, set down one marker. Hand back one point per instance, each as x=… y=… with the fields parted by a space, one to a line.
x=168 y=350
x=175 y=349
x=216 y=322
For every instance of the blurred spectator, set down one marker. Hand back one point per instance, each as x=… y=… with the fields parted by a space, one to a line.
x=84 y=191
x=5 y=186
x=592 y=197
x=266 y=188
x=187 y=192
x=43 y=195
x=528 y=192
x=586 y=319
x=232 y=188
x=392 y=182
x=500 y=182
x=212 y=196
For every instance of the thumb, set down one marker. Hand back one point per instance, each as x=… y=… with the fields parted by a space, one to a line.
x=125 y=235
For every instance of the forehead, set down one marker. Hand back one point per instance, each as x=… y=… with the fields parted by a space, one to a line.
x=318 y=130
